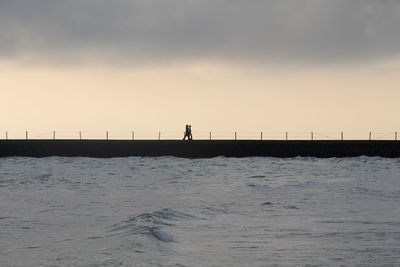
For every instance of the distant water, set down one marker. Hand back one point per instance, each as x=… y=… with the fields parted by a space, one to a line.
x=199 y=212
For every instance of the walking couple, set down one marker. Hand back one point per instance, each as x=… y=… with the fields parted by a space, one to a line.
x=188 y=133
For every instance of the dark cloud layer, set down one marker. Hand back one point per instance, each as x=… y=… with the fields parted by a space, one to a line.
x=134 y=31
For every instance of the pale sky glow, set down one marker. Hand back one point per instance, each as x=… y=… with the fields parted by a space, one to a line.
x=325 y=68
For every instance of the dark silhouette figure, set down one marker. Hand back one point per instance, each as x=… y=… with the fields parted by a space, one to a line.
x=190 y=132
x=186 y=133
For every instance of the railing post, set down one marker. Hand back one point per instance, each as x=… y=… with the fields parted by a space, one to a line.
x=286 y=136
x=26 y=135
x=133 y=135
x=312 y=136
x=210 y=135
x=261 y=136
x=6 y=135
x=370 y=136
x=341 y=136
x=106 y=135
x=80 y=135
x=235 y=136
x=54 y=135
x=395 y=136
x=159 y=135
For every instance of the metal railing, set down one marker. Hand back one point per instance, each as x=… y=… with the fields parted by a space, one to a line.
x=143 y=135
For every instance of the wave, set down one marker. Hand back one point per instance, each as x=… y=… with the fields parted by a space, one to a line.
x=151 y=224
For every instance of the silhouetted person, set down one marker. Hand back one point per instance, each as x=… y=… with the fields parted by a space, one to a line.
x=190 y=136
x=186 y=133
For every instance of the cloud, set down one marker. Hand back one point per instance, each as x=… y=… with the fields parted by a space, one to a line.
x=149 y=31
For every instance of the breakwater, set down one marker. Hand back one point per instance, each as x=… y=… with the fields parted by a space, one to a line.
x=199 y=148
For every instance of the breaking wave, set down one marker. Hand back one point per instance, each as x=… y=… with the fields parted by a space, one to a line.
x=151 y=224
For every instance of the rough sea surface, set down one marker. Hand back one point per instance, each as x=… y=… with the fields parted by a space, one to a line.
x=199 y=212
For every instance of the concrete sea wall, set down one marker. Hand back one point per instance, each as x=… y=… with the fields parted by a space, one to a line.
x=198 y=148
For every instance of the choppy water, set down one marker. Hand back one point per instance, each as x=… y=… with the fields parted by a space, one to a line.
x=199 y=212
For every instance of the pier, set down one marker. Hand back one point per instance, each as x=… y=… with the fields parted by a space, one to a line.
x=200 y=148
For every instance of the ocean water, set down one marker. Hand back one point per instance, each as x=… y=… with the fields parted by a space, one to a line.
x=199 y=212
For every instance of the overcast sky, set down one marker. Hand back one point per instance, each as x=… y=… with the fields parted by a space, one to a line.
x=220 y=65
x=152 y=31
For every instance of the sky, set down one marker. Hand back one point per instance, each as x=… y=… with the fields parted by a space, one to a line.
x=220 y=65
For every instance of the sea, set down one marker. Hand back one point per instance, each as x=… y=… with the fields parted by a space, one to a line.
x=170 y=211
